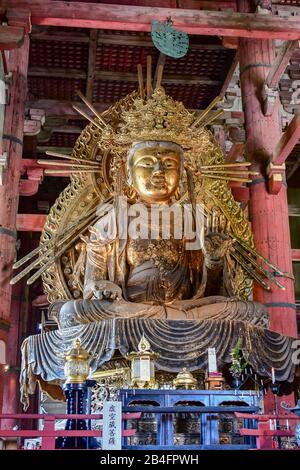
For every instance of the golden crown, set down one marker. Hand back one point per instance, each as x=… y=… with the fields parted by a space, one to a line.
x=157 y=118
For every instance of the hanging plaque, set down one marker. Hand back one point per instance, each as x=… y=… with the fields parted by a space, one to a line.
x=168 y=40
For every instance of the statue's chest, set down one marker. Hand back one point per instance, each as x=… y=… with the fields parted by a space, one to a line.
x=163 y=253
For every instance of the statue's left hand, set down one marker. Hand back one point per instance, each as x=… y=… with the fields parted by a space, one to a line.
x=216 y=245
x=217 y=242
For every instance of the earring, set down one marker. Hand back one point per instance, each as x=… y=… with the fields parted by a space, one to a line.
x=131 y=192
x=177 y=194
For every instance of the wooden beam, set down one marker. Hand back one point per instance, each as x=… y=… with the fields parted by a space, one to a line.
x=91 y=64
x=281 y=61
x=112 y=39
x=30 y=222
x=138 y=18
x=19 y=17
x=64 y=109
x=57 y=73
x=117 y=76
x=56 y=108
x=10 y=37
x=287 y=141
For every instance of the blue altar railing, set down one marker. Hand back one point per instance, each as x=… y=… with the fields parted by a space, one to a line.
x=190 y=419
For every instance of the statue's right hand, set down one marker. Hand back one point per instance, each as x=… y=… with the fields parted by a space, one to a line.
x=107 y=290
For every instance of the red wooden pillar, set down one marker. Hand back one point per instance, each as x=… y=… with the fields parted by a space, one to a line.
x=268 y=213
x=9 y=194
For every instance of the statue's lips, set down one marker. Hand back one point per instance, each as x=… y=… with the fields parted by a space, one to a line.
x=158 y=181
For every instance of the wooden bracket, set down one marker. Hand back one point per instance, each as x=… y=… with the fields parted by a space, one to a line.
x=3 y=165
x=18 y=24
x=269 y=97
x=276 y=175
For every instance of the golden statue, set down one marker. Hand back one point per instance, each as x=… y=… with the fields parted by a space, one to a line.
x=112 y=276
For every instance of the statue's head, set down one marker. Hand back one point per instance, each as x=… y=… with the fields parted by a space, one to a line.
x=154 y=170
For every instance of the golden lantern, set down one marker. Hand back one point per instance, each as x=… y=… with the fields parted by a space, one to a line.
x=142 y=366
x=77 y=366
x=185 y=380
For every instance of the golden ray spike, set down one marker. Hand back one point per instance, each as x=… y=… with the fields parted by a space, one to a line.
x=149 y=76
x=160 y=71
x=81 y=223
x=80 y=111
x=67 y=172
x=141 y=81
x=27 y=270
x=69 y=164
x=227 y=178
x=32 y=265
x=91 y=107
x=69 y=157
x=30 y=255
x=207 y=110
x=64 y=248
x=251 y=271
x=229 y=172
x=266 y=273
x=259 y=256
x=212 y=118
x=226 y=165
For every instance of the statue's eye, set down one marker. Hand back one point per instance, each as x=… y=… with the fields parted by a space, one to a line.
x=147 y=162
x=169 y=163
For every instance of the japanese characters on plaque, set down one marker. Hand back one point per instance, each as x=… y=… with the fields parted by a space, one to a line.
x=112 y=425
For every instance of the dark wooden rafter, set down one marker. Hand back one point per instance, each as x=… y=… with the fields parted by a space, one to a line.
x=91 y=64
x=111 y=39
x=116 y=76
x=64 y=109
x=139 y=18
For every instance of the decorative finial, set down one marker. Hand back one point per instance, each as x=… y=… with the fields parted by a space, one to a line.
x=144 y=345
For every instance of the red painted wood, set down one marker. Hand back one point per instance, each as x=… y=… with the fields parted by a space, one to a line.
x=268 y=213
x=19 y=17
x=265 y=432
x=48 y=434
x=53 y=417
x=235 y=152
x=10 y=37
x=13 y=126
x=266 y=417
x=28 y=187
x=30 y=222
x=60 y=433
x=296 y=255
x=138 y=18
x=281 y=61
x=240 y=193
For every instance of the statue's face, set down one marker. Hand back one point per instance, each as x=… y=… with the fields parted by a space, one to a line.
x=156 y=173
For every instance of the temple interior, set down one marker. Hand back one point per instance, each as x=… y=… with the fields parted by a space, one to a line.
x=107 y=106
